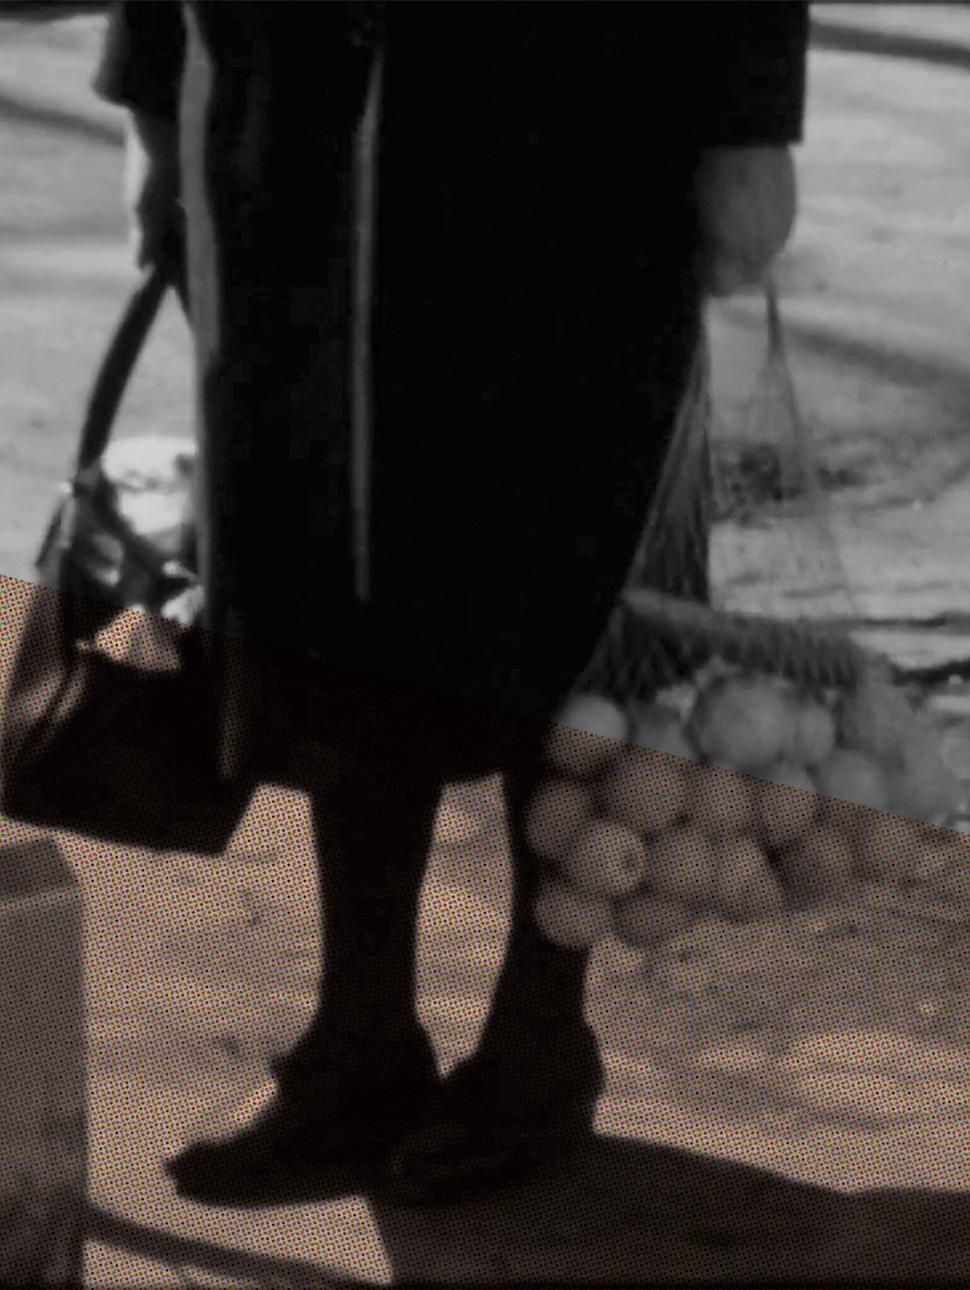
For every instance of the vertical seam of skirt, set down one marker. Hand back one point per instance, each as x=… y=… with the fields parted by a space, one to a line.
x=362 y=300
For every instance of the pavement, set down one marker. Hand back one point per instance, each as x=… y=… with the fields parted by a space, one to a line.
x=195 y=971
x=774 y=1112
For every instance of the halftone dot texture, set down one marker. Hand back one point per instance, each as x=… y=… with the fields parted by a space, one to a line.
x=691 y=817
x=675 y=893
x=785 y=762
x=42 y=1109
x=458 y=982
x=104 y=746
x=720 y=800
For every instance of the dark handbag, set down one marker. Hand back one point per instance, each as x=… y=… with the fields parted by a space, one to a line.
x=121 y=749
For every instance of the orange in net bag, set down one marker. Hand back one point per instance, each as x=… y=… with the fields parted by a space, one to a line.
x=739 y=755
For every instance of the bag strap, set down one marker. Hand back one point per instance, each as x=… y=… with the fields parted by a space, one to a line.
x=118 y=363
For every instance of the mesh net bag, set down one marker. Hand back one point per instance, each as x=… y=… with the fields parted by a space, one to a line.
x=743 y=755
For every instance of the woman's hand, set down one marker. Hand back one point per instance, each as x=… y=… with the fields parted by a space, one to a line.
x=746 y=206
x=151 y=186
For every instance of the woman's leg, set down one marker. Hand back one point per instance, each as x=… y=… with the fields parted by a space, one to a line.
x=540 y=989
x=364 y=1072
x=373 y=826
x=528 y=1093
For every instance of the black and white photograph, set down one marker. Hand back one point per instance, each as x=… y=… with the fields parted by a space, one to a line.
x=485 y=622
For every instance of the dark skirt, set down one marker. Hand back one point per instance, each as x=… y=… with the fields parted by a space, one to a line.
x=535 y=313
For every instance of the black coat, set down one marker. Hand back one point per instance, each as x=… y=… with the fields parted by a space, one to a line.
x=532 y=313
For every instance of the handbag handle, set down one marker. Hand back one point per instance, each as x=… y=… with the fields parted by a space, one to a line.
x=123 y=351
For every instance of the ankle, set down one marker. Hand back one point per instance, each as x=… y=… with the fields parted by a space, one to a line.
x=523 y=1039
x=540 y=986
x=326 y=1044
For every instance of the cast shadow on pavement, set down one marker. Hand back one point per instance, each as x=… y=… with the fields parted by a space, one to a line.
x=627 y=1212
x=632 y=1212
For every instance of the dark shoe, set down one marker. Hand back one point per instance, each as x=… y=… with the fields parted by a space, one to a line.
x=331 y=1130
x=501 y=1117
